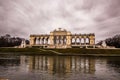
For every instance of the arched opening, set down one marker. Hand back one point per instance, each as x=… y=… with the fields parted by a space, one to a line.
x=48 y=41
x=37 y=41
x=78 y=41
x=44 y=40
x=73 y=40
x=82 y=41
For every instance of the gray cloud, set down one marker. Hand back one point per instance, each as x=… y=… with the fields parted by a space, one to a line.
x=25 y=17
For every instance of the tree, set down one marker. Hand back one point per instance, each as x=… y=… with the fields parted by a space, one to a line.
x=8 y=41
x=114 y=41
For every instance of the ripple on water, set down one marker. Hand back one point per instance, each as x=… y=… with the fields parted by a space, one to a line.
x=60 y=68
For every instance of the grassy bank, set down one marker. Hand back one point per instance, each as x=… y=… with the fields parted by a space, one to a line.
x=86 y=51
x=89 y=52
x=71 y=51
x=25 y=51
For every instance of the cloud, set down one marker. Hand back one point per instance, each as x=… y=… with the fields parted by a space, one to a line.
x=25 y=17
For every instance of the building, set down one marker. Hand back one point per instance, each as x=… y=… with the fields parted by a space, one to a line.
x=61 y=38
x=23 y=44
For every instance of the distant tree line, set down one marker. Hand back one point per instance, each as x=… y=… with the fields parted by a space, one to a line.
x=114 y=41
x=8 y=41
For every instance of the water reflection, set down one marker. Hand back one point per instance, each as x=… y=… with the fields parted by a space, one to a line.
x=9 y=60
x=59 y=68
x=61 y=64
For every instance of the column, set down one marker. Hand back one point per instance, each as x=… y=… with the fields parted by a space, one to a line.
x=31 y=40
x=51 y=38
x=84 y=41
x=61 y=41
x=75 y=40
x=57 y=40
x=64 y=39
x=80 y=41
x=47 y=41
x=89 y=41
x=43 y=40
x=40 y=40
x=68 y=41
x=54 y=40
x=37 y=41
x=92 y=39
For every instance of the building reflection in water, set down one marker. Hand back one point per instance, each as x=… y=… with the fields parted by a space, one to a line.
x=59 y=68
x=59 y=64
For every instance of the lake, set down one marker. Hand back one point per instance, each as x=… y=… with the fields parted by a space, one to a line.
x=38 y=67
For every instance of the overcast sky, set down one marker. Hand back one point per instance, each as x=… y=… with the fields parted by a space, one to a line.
x=25 y=17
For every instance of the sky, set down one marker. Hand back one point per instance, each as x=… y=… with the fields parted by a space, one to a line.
x=24 y=17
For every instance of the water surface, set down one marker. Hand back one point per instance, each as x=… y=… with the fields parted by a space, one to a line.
x=39 y=67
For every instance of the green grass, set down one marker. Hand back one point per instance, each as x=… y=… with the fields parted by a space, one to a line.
x=88 y=51
x=26 y=51
x=19 y=50
x=70 y=51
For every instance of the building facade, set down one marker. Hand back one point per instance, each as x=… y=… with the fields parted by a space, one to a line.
x=61 y=38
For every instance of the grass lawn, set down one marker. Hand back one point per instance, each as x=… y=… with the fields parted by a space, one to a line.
x=69 y=51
